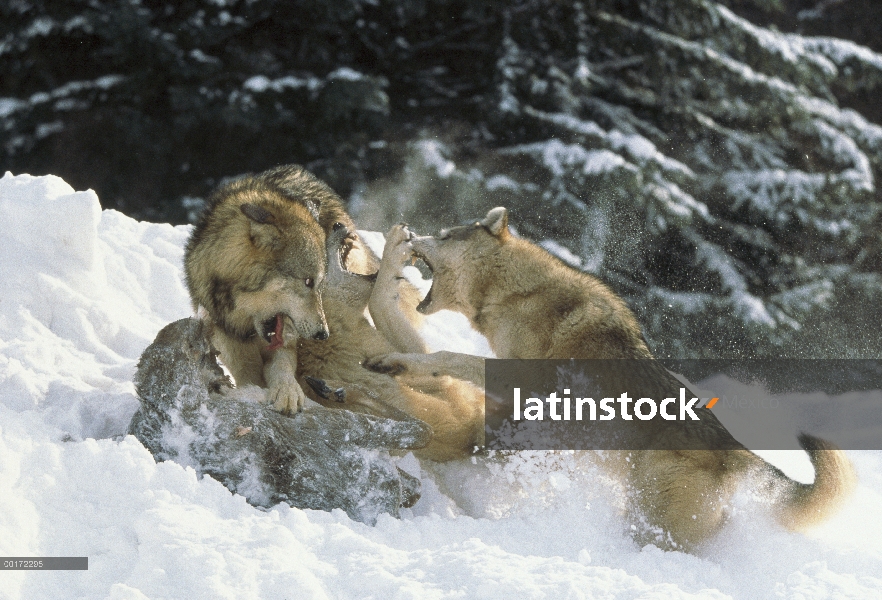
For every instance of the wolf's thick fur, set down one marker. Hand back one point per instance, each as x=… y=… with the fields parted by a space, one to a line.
x=256 y=263
x=454 y=409
x=248 y=260
x=530 y=305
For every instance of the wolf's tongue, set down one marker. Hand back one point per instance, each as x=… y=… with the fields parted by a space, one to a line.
x=278 y=339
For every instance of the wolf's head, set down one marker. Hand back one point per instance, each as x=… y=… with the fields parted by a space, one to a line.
x=459 y=258
x=282 y=285
x=256 y=261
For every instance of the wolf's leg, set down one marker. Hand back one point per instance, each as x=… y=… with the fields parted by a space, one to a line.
x=280 y=372
x=437 y=364
x=385 y=302
x=326 y=392
x=681 y=497
x=242 y=359
x=376 y=395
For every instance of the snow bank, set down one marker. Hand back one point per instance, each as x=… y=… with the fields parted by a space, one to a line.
x=83 y=291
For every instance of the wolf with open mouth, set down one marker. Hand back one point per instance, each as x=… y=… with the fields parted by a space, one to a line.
x=256 y=264
x=530 y=305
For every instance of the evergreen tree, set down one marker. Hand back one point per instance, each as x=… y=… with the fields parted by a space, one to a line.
x=721 y=175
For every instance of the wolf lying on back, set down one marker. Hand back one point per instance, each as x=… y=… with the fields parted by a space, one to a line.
x=454 y=409
x=256 y=264
x=531 y=305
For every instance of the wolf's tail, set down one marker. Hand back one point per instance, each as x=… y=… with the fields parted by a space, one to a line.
x=801 y=505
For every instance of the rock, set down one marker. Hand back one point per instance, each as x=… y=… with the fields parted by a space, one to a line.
x=321 y=459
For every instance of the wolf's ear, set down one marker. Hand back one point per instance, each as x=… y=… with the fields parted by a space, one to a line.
x=264 y=233
x=313 y=209
x=258 y=214
x=496 y=221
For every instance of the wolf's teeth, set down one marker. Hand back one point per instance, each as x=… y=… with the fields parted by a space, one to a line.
x=270 y=329
x=274 y=332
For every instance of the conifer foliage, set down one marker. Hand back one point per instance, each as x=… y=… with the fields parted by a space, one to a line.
x=721 y=175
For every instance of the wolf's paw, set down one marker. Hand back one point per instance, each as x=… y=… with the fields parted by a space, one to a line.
x=286 y=398
x=393 y=364
x=398 y=248
x=324 y=390
x=398 y=234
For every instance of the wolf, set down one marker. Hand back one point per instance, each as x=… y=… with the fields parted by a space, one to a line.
x=276 y=264
x=331 y=371
x=530 y=305
x=256 y=264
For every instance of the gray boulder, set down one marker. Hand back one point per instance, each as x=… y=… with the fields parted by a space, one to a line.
x=321 y=459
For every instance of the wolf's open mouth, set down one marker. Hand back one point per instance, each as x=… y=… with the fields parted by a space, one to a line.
x=273 y=330
x=339 y=244
x=345 y=247
x=424 y=304
x=342 y=253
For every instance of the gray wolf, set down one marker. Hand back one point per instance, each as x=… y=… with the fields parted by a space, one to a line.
x=190 y=413
x=531 y=305
x=285 y=280
x=453 y=409
x=256 y=262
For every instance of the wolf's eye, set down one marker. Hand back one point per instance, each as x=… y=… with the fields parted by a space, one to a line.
x=310 y=282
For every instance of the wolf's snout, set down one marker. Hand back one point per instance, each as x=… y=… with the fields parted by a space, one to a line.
x=321 y=335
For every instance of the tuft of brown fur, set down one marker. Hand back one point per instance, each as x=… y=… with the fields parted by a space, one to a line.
x=530 y=305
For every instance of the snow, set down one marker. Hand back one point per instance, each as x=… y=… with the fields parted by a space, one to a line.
x=347 y=74
x=841 y=51
x=789 y=47
x=10 y=105
x=260 y=83
x=747 y=306
x=82 y=293
x=432 y=153
x=825 y=53
x=559 y=158
x=501 y=182
x=635 y=146
x=61 y=95
x=562 y=252
x=508 y=66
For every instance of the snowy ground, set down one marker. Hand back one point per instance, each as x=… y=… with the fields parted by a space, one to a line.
x=83 y=291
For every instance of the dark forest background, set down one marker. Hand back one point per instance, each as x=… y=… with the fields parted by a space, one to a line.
x=716 y=162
